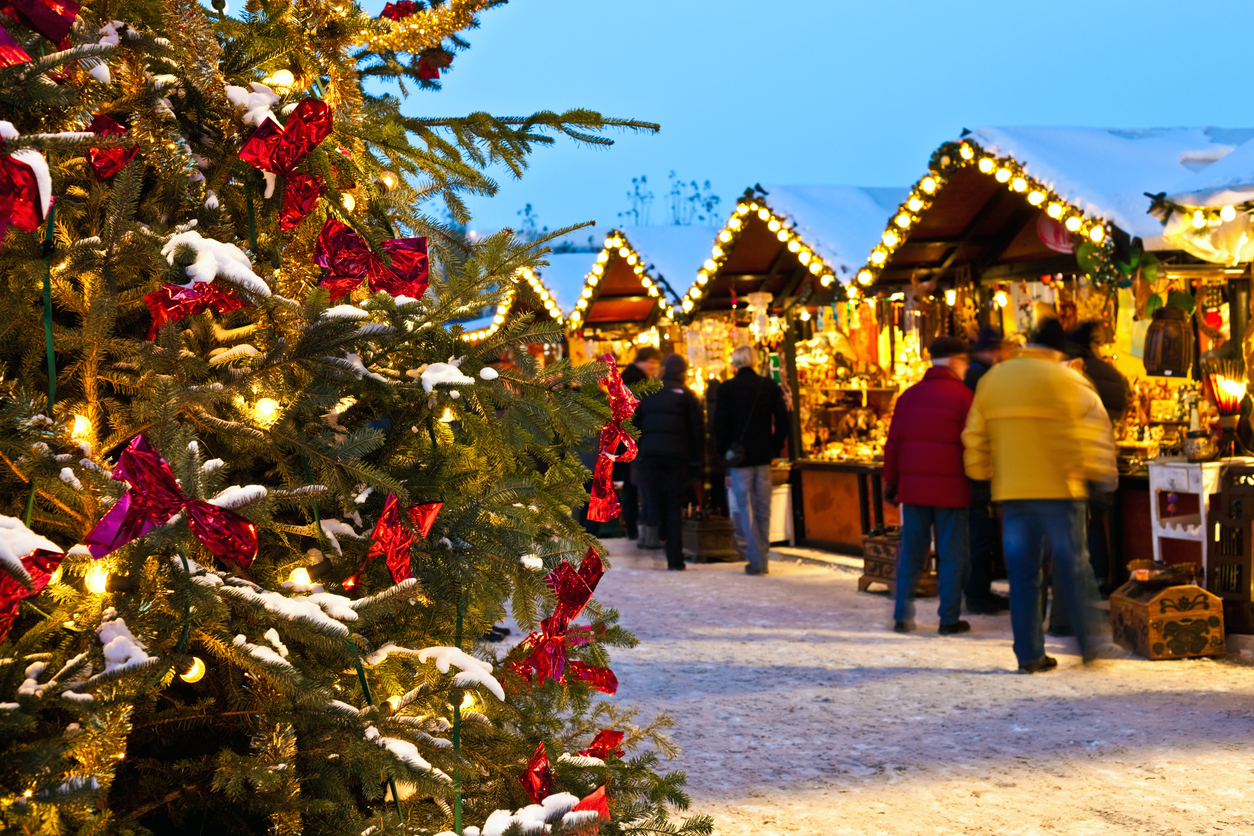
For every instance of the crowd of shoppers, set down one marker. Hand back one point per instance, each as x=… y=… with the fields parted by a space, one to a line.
x=1038 y=435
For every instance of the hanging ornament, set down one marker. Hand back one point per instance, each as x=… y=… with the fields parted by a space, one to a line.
x=154 y=498
x=603 y=504
x=605 y=745
x=51 y=18
x=278 y=149
x=431 y=61
x=603 y=679
x=537 y=780
x=25 y=187
x=107 y=162
x=174 y=302
x=38 y=556
x=399 y=10
x=10 y=53
x=392 y=538
x=348 y=260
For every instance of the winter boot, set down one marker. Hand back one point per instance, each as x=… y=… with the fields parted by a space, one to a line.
x=648 y=537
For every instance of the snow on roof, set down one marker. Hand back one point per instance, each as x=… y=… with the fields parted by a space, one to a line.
x=1106 y=172
x=674 y=253
x=564 y=275
x=840 y=223
x=1226 y=182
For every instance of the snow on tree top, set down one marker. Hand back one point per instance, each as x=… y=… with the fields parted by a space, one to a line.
x=1106 y=172
x=17 y=541
x=216 y=258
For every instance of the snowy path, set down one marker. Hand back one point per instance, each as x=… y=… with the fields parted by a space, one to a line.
x=799 y=712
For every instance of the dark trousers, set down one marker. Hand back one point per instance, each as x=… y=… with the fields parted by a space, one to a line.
x=629 y=498
x=983 y=536
x=665 y=482
x=1100 y=504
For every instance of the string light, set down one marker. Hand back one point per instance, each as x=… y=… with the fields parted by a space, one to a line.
x=1000 y=298
x=300 y=576
x=388 y=180
x=96 y=580
x=266 y=410
x=196 y=672
x=449 y=415
x=1199 y=219
x=82 y=427
x=951 y=297
x=1227 y=213
x=349 y=202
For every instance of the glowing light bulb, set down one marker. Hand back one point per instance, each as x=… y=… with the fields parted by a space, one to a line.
x=928 y=184
x=724 y=236
x=624 y=252
x=764 y=214
x=196 y=672
x=603 y=257
x=734 y=223
x=804 y=316
x=951 y=296
x=1036 y=198
x=349 y=202
x=1054 y=211
x=816 y=267
x=1019 y=184
x=449 y=416
x=394 y=703
x=878 y=256
x=687 y=305
x=300 y=575
x=702 y=278
x=741 y=209
x=773 y=226
x=581 y=304
x=986 y=164
x=1072 y=224
x=1002 y=175
x=782 y=235
x=1000 y=298
x=82 y=427
x=915 y=204
x=1227 y=213
x=903 y=220
x=804 y=257
x=966 y=151
x=96 y=579
x=266 y=409
x=890 y=239
x=1096 y=234
x=389 y=181
x=710 y=265
x=794 y=245
x=1199 y=219
x=597 y=269
x=827 y=280
x=865 y=277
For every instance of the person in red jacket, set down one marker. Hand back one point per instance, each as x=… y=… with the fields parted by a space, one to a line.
x=923 y=470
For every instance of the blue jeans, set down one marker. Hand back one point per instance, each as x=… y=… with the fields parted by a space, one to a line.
x=953 y=558
x=752 y=488
x=1028 y=526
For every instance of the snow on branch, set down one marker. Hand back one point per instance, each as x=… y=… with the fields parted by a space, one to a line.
x=322 y=610
x=405 y=752
x=445 y=373
x=237 y=497
x=122 y=651
x=216 y=258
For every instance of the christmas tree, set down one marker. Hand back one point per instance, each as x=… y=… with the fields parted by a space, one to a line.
x=261 y=494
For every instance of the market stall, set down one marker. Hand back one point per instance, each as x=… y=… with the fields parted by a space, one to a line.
x=1010 y=225
x=777 y=278
x=527 y=294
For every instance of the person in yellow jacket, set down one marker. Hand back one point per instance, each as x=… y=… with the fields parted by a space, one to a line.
x=1038 y=431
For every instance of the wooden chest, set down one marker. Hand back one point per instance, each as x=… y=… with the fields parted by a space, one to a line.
x=1167 y=622
x=879 y=565
x=710 y=540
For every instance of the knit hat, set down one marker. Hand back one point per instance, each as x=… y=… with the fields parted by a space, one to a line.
x=1049 y=334
x=989 y=339
x=675 y=367
x=943 y=347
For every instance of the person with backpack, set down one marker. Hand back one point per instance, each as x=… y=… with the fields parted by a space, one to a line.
x=751 y=427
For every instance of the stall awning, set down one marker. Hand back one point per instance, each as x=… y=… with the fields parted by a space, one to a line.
x=1209 y=213
x=791 y=240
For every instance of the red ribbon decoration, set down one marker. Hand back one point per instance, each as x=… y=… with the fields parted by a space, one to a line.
x=51 y=18
x=40 y=565
x=399 y=10
x=107 y=162
x=431 y=61
x=605 y=745
x=174 y=302
x=10 y=53
x=594 y=802
x=348 y=261
x=20 y=203
x=154 y=497
x=392 y=538
x=547 y=657
x=537 y=780
x=603 y=504
x=280 y=148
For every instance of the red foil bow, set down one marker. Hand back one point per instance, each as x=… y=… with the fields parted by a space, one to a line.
x=39 y=564
x=431 y=61
x=280 y=148
x=603 y=504
x=595 y=802
x=154 y=498
x=399 y=10
x=392 y=538
x=20 y=201
x=605 y=745
x=603 y=679
x=547 y=657
x=174 y=302
x=107 y=162
x=51 y=18
x=537 y=780
x=348 y=261
x=10 y=53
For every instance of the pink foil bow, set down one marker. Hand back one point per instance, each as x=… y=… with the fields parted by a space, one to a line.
x=392 y=538
x=349 y=260
x=603 y=504
x=11 y=54
x=51 y=18
x=154 y=498
x=39 y=564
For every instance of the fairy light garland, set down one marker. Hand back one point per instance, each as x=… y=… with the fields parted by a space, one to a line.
x=502 y=309
x=954 y=156
x=616 y=247
x=1200 y=217
x=730 y=233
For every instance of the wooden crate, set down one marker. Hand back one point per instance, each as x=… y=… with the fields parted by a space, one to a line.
x=1167 y=622
x=879 y=565
x=710 y=540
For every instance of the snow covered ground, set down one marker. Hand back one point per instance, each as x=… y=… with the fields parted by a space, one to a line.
x=799 y=711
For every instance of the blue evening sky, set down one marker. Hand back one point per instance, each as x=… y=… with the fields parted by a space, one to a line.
x=819 y=91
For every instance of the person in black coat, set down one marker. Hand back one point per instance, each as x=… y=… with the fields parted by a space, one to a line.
x=646 y=366
x=751 y=414
x=672 y=449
